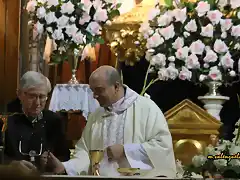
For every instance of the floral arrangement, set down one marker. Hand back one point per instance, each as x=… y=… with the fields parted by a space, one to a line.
x=220 y=159
x=197 y=41
x=72 y=24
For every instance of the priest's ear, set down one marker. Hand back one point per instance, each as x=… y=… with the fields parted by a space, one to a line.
x=117 y=85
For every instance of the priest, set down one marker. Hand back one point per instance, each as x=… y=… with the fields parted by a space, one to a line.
x=130 y=128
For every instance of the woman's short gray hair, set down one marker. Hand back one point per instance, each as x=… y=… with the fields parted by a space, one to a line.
x=32 y=79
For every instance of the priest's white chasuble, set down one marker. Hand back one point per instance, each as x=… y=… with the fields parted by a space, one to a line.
x=135 y=122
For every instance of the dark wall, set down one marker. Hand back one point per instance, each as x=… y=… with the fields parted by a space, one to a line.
x=168 y=94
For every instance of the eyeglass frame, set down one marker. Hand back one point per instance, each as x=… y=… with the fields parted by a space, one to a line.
x=34 y=97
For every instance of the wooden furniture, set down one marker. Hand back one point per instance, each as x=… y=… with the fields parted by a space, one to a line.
x=191 y=128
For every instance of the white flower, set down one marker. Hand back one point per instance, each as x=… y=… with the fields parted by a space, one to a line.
x=220 y=46
x=154 y=41
x=214 y=16
x=163 y=74
x=50 y=17
x=72 y=19
x=199 y=160
x=100 y=15
x=196 y=176
x=211 y=56
x=234 y=162
x=87 y=4
x=222 y=3
x=197 y=47
x=31 y=5
x=71 y=30
x=180 y=15
x=239 y=65
x=207 y=31
x=42 y=1
x=202 y=8
x=206 y=65
x=215 y=74
x=164 y=20
x=186 y=34
x=171 y=58
x=52 y=3
x=94 y=28
x=238 y=14
x=237 y=46
x=167 y=32
x=235 y=31
x=219 y=163
x=185 y=74
x=79 y=38
x=63 y=21
x=227 y=61
x=202 y=77
x=179 y=167
x=182 y=53
x=144 y=27
x=84 y=19
x=192 y=62
x=41 y=12
x=172 y=72
x=39 y=27
x=235 y=3
x=191 y=26
x=49 y=29
x=58 y=34
x=67 y=8
x=224 y=35
x=178 y=43
x=159 y=60
x=153 y=13
x=226 y=24
x=232 y=73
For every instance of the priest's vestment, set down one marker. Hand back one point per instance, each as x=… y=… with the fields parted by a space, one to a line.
x=135 y=122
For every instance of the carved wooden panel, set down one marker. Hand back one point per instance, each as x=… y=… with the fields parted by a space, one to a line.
x=191 y=127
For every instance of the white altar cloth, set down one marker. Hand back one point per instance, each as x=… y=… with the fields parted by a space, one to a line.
x=73 y=97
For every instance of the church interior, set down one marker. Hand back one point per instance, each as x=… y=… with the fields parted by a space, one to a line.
x=196 y=119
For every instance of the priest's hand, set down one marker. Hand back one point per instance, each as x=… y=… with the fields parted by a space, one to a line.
x=53 y=163
x=115 y=152
x=25 y=166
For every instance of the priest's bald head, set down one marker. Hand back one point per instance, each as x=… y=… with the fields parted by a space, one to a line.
x=106 y=85
x=33 y=92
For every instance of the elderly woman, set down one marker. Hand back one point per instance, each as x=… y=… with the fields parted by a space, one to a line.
x=34 y=127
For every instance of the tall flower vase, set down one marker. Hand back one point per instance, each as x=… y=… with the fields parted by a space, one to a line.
x=213 y=100
x=74 y=61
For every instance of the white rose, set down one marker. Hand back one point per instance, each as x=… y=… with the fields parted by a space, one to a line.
x=172 y=72
x=153 y=13
x=84 y=19
x=42 y=1
x=87 y=4
x=234 y=149
x=50 y=17
x=199 y=161
x=79 y=38
x=206 y=65
x=164 y=20
x=100 y=15
x=49 y=29
x=58 y=34
x=226 y=24
x=31 y=5
x=180 y=15
x=71 y=30
x=215 y=74
x=192 y=62
x=219 y=163
x=182 y=53
x=163 y=74
x=171 y=58
x=154 y=41
x=167 y=32
x=214 y=16
x=41 y=12
x=232 y=73
x=202 y=8
x=159 y=60
x=39 y=27
x=238 y=14
x=235 y=3
x=211 y=56
x=186 y=34
x=207 y=31
x=185 y=74
x=234 y=162
x=224 y=35
x=178 y=43
x=220 y=46
x=235 y=31
x=191 y=26
x=237 y=46
x=52 y=3
x=63 y=21
x=72 y=19
x=67 y=8
x=94 y=28
x=202 y=77
x=197 y=47
x=227 y=61
x=196 y=176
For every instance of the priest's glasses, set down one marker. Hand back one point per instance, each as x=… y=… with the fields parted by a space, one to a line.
x=32 y=154
x=96 y=157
